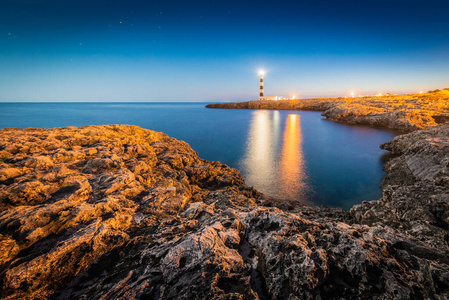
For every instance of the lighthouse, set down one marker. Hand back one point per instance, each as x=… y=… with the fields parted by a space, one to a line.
x=261 y=85
x=261 y=95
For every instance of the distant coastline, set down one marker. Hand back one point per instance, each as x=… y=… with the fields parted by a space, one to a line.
x=398 y=112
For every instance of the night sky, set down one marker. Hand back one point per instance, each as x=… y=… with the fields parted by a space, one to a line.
x=168 y=50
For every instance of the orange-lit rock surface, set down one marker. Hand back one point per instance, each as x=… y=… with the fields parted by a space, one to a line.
x=120 y=212
x=400 y=112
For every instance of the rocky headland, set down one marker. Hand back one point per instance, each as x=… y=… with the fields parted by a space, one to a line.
x=399 y=112
x=120 y=212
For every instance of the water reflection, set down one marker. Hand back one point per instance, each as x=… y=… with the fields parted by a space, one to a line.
x=273 y=165
x=259 y=161
x=292 y=166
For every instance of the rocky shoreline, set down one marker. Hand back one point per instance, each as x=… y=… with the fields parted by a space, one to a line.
x=120 y=212
x=401 y=112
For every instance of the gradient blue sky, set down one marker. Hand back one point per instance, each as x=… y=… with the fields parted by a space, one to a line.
x=169 y=50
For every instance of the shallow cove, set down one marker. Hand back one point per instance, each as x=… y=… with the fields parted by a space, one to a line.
x=286 y=154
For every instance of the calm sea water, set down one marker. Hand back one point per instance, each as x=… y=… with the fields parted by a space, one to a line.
x=286 y=154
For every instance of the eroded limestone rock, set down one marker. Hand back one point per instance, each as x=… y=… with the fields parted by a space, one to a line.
x=416 y=189
x=119 y=212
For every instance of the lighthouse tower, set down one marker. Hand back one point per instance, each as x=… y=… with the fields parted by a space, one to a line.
x=261 y=86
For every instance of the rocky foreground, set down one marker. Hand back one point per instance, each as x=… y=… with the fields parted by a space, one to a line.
x=399 y=112
x=119 y=212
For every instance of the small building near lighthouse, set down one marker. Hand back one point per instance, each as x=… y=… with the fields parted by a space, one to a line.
x=273 y=98
x=261 y=91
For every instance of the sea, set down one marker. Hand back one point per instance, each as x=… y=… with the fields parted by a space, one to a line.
x=291 y=155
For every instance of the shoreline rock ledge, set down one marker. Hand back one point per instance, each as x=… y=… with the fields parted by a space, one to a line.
x=404 y=113
x=120 y=212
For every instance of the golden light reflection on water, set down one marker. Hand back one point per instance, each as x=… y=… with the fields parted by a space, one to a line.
x=273 y=166
x=292 y=167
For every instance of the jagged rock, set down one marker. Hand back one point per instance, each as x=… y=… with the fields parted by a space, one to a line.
x=119 y=212
x=416 y=189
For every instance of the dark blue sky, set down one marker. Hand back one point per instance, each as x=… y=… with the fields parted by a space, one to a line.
x=212 y=50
